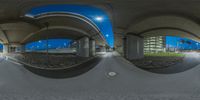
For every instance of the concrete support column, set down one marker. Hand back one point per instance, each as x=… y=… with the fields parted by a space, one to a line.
x=20 y=48
x=133 y=47
x=5 y=48
x=83 y=47
x=92 y=48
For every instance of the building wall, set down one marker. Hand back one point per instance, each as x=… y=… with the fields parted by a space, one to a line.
x=155 y=44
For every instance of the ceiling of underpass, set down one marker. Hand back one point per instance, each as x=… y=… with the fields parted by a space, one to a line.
x=170 y=32
x=62 y=26
x=143 y=17
x=49 y=25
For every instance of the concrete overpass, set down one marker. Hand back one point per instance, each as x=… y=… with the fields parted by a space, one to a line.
x=132 y=20
x=65 y=25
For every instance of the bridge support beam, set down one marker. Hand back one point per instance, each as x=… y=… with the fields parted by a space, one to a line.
x=92 y=48
x=133 y=47
x=83 y=47
x=5 y=48
x=15 y=48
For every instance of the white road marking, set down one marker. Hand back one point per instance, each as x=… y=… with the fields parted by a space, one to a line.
x=112 y=74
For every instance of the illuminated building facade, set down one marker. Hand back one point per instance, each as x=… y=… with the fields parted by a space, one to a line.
x=155 y=44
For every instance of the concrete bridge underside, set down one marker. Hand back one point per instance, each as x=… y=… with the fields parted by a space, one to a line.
x=131 y=21
x=51 y=26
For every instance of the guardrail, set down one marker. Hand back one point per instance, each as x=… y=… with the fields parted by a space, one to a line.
x=66 y=72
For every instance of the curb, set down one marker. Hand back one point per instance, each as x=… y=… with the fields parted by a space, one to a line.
x=26 y=64
x=60 y=73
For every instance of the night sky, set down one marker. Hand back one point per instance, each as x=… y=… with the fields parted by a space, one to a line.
x=175 y=42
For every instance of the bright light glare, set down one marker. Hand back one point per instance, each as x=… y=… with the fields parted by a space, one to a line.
x=107 y=35
x=99 y=18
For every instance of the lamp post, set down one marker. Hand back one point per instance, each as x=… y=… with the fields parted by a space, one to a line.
x=47 y=42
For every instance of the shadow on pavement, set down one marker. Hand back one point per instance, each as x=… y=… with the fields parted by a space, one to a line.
x=68 y=72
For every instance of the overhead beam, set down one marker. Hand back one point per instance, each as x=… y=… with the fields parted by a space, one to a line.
x=6 y=39
x=171 y=28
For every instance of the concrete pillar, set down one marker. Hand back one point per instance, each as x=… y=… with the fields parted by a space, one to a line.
x=134 y=46
x=5 y=48
x=16 y=48
x=92 y=48
x=83 y=47
x=20 y=48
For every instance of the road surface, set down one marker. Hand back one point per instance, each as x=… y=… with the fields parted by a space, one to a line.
x=129 y=83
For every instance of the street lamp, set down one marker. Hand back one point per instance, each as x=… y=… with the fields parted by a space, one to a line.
x=197 y=45
x=99 y=18
x=107 y=35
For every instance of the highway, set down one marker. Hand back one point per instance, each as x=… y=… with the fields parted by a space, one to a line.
x=128 y=83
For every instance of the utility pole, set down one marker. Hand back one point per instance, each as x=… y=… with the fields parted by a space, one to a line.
x=47 y=43
x=47 y=51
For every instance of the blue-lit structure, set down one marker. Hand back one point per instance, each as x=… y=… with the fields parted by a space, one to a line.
x=96 y=15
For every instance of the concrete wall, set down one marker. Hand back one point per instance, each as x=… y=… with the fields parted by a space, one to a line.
x=83 y=47
x=5 y=48
x=92 y=47
x=13 y=48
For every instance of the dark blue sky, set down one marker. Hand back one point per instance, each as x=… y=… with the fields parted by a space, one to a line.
x=96 y=15
x=175 y=42
x=62 y=43
x=52 y=44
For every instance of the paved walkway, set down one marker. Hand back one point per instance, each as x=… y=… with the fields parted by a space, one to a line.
x=191 y=60
x=130 y=83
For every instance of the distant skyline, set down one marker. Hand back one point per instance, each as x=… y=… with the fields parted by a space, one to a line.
x=175 y=42
x=171 y=41
x=52 y=44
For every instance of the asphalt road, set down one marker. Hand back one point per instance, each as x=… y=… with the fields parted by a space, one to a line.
x=129 y=83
